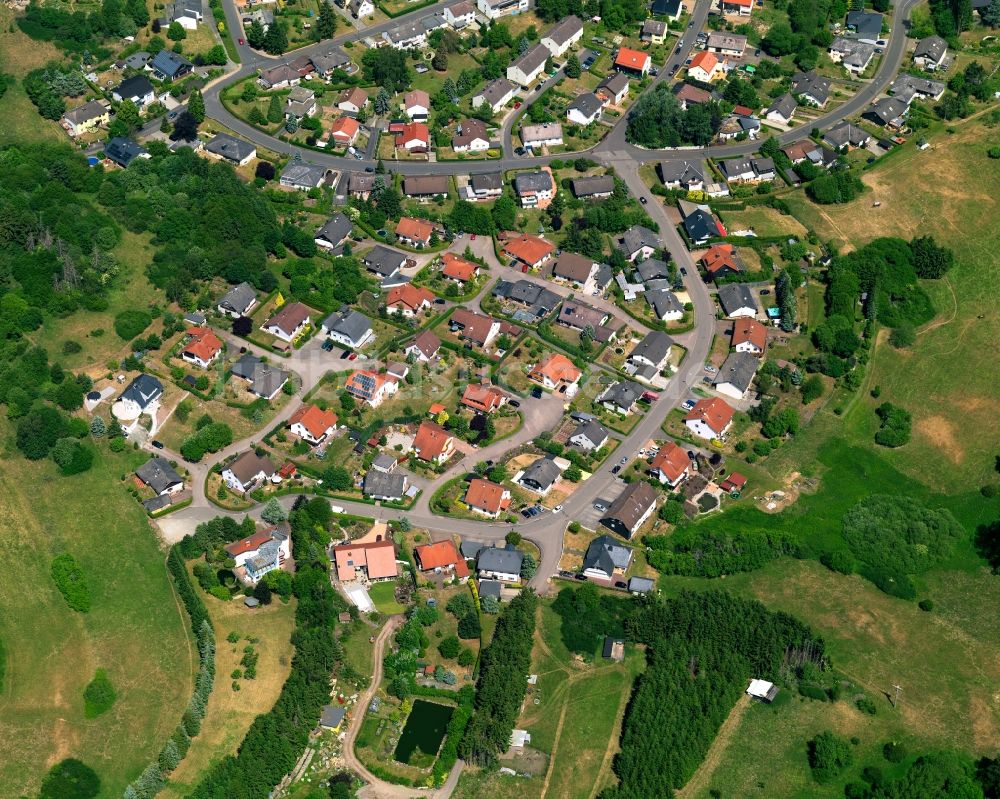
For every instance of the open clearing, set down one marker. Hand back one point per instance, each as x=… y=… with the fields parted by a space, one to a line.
x=135 y=630
x=230 y=713
x=764 y=221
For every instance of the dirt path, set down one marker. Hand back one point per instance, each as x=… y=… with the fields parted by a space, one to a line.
x=936 y=323
x=555 y=744
x=699 y=781
x=612 y=741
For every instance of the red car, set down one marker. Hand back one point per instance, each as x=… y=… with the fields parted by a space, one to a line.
x=352 y=357
x=241 y=40
x=473 y=236
x=517 y=105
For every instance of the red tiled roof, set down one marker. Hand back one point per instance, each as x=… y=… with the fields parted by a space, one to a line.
x=436 y=556
x=458 y=268
x=720 y=257
x=314 y=420
x=344 y=128
x=706 y=60
x=487 y=496
x=250 y=544
x=482 y=398
x=378 y=558
x=631 y=59
x=714 y=412
x=408 y=296
x=557 y=367
x=411 y=131
x=415 y=229
x=528 y=249
x=672 y=460
x=204 y=344
x=749 y=330
x=431 y=440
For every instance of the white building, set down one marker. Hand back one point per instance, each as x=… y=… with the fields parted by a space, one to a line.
x=563 y=36
x=494 y=9
x=529 y=67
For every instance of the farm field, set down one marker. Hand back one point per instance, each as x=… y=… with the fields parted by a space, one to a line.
x=230 y=713
x=51 y=659
x=946 y=379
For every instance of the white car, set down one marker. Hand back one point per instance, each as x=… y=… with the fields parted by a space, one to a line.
x=557 y=509
x=623 y=461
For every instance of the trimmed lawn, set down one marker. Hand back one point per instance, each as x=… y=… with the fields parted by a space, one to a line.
x=136 y=630
x=384 y=597
x=764 y=221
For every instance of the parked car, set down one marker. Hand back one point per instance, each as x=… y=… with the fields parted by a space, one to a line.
x=684 y=271
x=621 y=584
x=600 y=506
x=327 y=345
x=580 y=577
x=241 y=40
x=643 y=200
x=691 y=455
x=157 y=444
x=438 y=301
x=514 y=404
x=536 y=392
x=623 y=461
x=673 y=69
x=526 y=514
x=616 y=470
x=352 y=357
x=557 y=509
x=369 y=169
x=765 y=292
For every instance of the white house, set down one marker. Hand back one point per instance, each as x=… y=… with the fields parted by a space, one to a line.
x=496 y=94
x=361 y=8
x=417 y=105
x=138 y=89
x=238 y=301
x=548 y=134
x=247 y=471
x=563 y=36
x=312 y=424
x=348 y=327
x=710 y=418
x=494 y=9
x=289 y=322
x=585 y=109
x=460 y=15
x=261 y=553
x=141 y=397
x=529 y=67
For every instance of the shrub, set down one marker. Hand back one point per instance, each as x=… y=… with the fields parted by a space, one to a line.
x=98 y=696
x=812 y=691
x=926 y=605
x=903 y=336
x=828 y=756
x=449 y=647
x=866 y=705
x=469 y=626
x=896 y=424
x=894 y=752
x=891 y=582
x=70 y=779
x=130 y=323
x=71 y=582
x=838 y=561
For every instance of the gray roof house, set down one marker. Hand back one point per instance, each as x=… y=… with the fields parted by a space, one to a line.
x=866 y=24
x=782 y=109
x=238 y=300
x=639 y=242
x=736 y=375
x=586 y=108
x=847 y=135
x=887 y=112
x=168 y=65
x=144 y=390
x=664 y=303
x=532 y=182
x=930 y=52
x=541 y=475
x=334 y=232
x=539 y=300
x=640 y=585
x=593 y=187
x=605 y=557
x=653 y=269
x=700 y=225
x=348 y=327
x=265 y=381
x=470 y=549
x=621 y=396
x=501 y=564
x=737 y=299
x=389 y=486
x=631 y=509
x=653 y=350
x=687 y=175
x=332 y=717
x=811 y=87
x=124 y=151
x=303 y=176
x=906 y=87
x=160 y=476
x=384 y=261
x=589 y=435
x=231 y=149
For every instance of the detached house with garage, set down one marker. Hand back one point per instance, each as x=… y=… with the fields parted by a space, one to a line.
x=651 y=355
x=504 y=565
x=433 y=443
x=247 y=472
x=736 y=375
x=203 y=347
x=639 y=243
x=496 y=94
x=334 y=233
x=613 y=90
x=530 y=251
x=621 y=397
x=136 y=89
x=541 y=475
x=535 y=189
x=633 y=62
x=487 y=498
x=262 y=379
x=441 y=557
x=737 y=300
x=483 y=399
x=585 y=109
x=930 y=53
x=263 y=552
x=348 y=327
x=228 y=148
x=687 y=175
x=160 y=477
x=670 y=465
x=631 y=509
x=556 y=372
x=812 y=88
x=290 y=322
x=474 y=327
x=749 y=336
x=606 y=558
x=370 y=387
x=408 y=300
x=457 y=269
x=312 y=424
x=722 y=260
x=414 y=232
x=424 y=347
x=576 y=269
x=525 y=70
x=589 y=435
x=710 y=418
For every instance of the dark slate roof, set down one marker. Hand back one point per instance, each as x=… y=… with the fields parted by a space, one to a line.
x=495 y=90
x=933 y=47
x=384 y=260
x=336 y=229
x=123 y=151
x=738 y=370
x=543 y=472
x=532 y=59
x=653 y=269
x=866 y=23
x=784 y=105
x=632 y=503
x=685 y=172
x=385 y=484
x=159 y=502
x=494 y=559
x=565 y=30
x=887 y=109
x=143 y=390
x=168 y=63
x=527 y=293
x=733 y=296
x=348 y=322
x=653 y=348
x=238 y=298
x=587 y=104
x=637 y=237
x=598 y=184
x=614 y=83
x=230 y=147
x=136 y=86
x=532 y=181
x=669 y=8
x=816 y=86
x=846 y=133
x=299 y=173
x=622 y=394
x=490 y=588
x=700 y=225
x=662 y=301
x=487 y=181
x=158 y=474
x=265 y=379
x=332 y=716
x=592 y=430
x=470 y=549
x=606 y=554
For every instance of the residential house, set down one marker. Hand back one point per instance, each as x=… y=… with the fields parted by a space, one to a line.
x=613 y=89
x=539 y=301
x=433 y=443
x=598 y=187
x=487 y=498
x=535 y=189
x=471 y=137
x=86 y=118
x=812 y=88
x=460 y=15
x=699 y=224
x=302 y=176
x=653 y=31
x=312 y=424
x=563 y=36
x=408 y=300
x=576 y=269
x=652 y=269
x=361 y=8
x=704 y=67
x=414 y=137
x=866 y=24
x=749 y=335
x=384 y=486
x=621 y=397
x=741 y=8
x=737 y=300
x=262 y=379
x=280 y=77
x=526 y=69
x=670 y=465
x=736 y=375
x=556 y=372
x=748 y=170
x=474 y=327
x=414 y=232
x=247 y=471
x=639 y=243
x=325 y=63
x=483 y=398
x=736 y=125
x=186 y=13
x=141 y=396
x=484 y=186
x=123 y=151
x=410 y=35
x=846 y=135
x=361 y=184
x=687 y=175
x=671 y=9
x=494 y=9
x=348 y=327
x=710 y=418
x=384 y=261
x=722 y=260
x=385 y=463
x=580 y=317
x=663 y=303
x=334 y=232
x=229 y=148
x=424 y=346
x=531 y=251
x=332 y=716
x=541 y=475
x=589 y=435
x=930 y=53
x=908 y=87
x=803 y=150
x=300 y=103
x=631 y=509
x=426 y=186
x=887 y=112
x=500 y=564
x=606 y=558
x=203 y=347
x=496 y=94
x=167 y=65
x=457 y=269
x=688 y=94
x=441 y=556
x=585 y=109
x=290 y=322
x=160 y=476
x=260 y=553
x=351 y=101
x=633 y=62
x=651 y=355
x=417 y=105
x=781 y=110
x=137 y=90
x=365 y=560
x=548 y=134
x=370 y=387
x=728 y=45
x=853 y=55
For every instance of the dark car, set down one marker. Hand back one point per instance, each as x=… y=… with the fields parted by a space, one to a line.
x=438 y=301
x=684 y=271
x=157 y=444
x=674 y=68
x=536 y=392
x=691 y=454
x=765 y=292
x=514 y=404
x=621 y=584
x=526 y=514
x=643 y=200
x=580 y=577
x=369 y=169
x=616 y=470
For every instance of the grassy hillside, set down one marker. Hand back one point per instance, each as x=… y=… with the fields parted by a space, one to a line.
x=135 y=629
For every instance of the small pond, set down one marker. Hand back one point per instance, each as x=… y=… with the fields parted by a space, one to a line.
x=424 y=730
